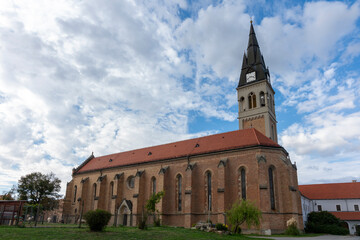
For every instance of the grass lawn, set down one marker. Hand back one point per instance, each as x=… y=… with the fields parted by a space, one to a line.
x=127 y=233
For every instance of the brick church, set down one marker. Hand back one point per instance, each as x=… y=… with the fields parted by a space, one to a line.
x=201 y=177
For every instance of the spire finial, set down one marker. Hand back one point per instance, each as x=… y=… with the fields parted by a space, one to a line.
x=251 y=21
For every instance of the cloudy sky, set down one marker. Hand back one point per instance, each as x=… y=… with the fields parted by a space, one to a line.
x=106 y=76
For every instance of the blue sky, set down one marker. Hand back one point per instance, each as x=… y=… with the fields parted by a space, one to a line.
x=104 y=77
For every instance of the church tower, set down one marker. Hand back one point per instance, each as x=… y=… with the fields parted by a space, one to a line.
x=255 y=94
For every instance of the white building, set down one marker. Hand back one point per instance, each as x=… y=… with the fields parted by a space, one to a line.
x=340 y=199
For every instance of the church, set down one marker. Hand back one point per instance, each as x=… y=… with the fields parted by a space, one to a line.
x=201 y=177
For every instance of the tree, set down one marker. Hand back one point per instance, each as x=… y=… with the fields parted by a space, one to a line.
x=243 y=212
x=8 y=195
x=151 y=206
x=38 y=188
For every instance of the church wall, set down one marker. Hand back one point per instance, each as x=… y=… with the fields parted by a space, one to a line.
x=256 y=162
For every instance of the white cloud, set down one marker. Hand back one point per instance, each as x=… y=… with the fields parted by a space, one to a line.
x=77 y=77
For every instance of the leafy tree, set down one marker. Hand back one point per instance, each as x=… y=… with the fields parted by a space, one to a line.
x=151 y=206
x=38 y=188
x=8 y=195
x=243 y=212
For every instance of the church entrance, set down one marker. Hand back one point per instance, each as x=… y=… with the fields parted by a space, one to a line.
x=125 y=213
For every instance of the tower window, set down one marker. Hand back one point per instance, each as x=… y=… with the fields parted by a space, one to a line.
x=252 y=100
x=262 y=99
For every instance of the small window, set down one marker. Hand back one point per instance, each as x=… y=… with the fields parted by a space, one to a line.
x=338 y=208
x=356 y=207
x=131 y=182
x=319 y=208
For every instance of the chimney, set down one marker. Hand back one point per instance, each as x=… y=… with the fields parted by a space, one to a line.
x=353 y=180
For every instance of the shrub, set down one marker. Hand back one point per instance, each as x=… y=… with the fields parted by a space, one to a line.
x=142 y=225
x=221 y=227
x=97 y=220
x=292 y=227
x=324 y=222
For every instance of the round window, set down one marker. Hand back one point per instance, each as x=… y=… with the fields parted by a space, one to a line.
x=131 y=182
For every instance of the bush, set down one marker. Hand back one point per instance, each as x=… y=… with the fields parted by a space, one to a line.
x=292 y=230
x=221 y=227
x=97 y=220
x=324 y=222
x=292 y=227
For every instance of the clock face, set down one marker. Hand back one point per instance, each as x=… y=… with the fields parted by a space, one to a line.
x=250 y=77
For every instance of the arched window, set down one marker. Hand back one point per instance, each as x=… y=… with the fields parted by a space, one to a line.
x=153 y=185
x=272 y=192
x=208 y=190
x=270 y=102
x=75 y=190
x=94 y=187
x=178 y=191
x=242 y=104
x=112 y=189
x=131 y=181
x=262 y=99
x=242 y=179
x=252 y=100
x=272 y=132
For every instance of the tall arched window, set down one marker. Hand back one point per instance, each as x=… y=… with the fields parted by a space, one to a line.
x=178 y=190
x=94 y=190
x=241 y=101
x=252 y=100
x=112 y=188
x=75 y=190
x=153 y=185
x=208 y=190
x=262 y=99
x=243 y=183
x=272 y=192
x=270 y=102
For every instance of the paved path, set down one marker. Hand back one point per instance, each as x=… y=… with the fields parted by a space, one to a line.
x=324 y=237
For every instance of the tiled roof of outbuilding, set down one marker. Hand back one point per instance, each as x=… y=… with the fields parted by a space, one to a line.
x=331 y=190
x=347 y=215
x=213 y=143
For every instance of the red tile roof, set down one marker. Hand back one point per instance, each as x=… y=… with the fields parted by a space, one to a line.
x=331 y=190
x=347 y=215
x=213 y=143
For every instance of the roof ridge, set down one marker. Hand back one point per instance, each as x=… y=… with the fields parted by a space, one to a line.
x=256 y=136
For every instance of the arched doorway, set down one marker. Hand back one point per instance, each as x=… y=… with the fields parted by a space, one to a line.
x=125 y=213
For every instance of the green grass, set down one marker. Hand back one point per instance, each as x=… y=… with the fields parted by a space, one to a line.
x=128 y=233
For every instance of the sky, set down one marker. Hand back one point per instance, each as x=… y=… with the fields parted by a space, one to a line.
x=78 y=77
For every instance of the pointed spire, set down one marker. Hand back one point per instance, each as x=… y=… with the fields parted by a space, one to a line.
x=253 y=60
